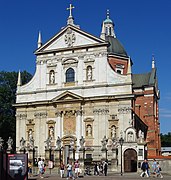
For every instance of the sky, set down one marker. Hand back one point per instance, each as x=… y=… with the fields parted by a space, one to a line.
x=142 y=26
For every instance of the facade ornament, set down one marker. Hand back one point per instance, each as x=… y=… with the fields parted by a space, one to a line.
x=30 y=139
x=101 y=111
x=71 y=144
x=48 y=143
x=58 y=143
x=114 y=143
x=104 y=143
x=9 y=143
x=1 y=143
x=22 y=143
x=40 y=115
x=70 y=37
x=58 y=113
x=82 y=141
x=124 y=110
x=141 y=136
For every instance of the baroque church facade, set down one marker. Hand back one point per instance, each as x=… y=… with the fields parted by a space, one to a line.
x=83 y=99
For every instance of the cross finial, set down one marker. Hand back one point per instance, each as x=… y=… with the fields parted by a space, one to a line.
x=70 y=9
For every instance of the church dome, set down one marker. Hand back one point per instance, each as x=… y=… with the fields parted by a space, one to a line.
x=115 y=47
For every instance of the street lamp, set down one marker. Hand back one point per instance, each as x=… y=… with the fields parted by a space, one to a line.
x=121 y=141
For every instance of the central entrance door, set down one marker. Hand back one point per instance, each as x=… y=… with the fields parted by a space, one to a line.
x=130 y=160
x=69 y=143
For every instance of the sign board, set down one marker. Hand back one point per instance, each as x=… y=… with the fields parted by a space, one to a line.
x=50 y=164
x=17 y=165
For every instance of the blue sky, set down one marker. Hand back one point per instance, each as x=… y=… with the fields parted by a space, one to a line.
x=142 y=26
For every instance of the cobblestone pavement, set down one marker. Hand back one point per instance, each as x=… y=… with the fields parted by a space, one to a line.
x=109 y=177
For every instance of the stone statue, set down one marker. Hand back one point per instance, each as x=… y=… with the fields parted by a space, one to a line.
x=89 y=130
x=52 y=77
x=89 y=73
x=58 y=143
x=22 y=143
x=10 y=143
x=82 y=141
x=104 y=142
x=71 y=144
x=113 y=132
x=31 y=139
x=1 y=143
x=48 y=143
x=130 y=137
x=141 y=135
x=114 y=142
x=51 y=132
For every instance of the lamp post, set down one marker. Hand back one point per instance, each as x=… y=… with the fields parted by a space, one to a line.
x=121 y=141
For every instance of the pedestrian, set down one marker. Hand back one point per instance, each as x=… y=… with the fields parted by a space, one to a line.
x=158 y=170
x=145 y=168
x=69 y=171
x=77 y=169
x=105 y=168
x=96 y=169
x=41 y=168
x=29 y=169
x=154 y=167
x=62 y=169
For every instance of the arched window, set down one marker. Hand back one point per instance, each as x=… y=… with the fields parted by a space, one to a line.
x=89 y=73
x=70 y=75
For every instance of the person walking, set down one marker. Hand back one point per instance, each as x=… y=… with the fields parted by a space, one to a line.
x=158 y=170
x=62 y=169
x=145 y=168
x=96 y=169
x=77 y=169
x=41 y=168
x=29 y=169
x=69 y=171
x=154 y=166
x=105 y=168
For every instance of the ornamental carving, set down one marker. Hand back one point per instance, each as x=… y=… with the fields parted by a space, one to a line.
x=21 y=116
x=40 y=115
x=101 y=111
x=124 y=110
x=70 y=37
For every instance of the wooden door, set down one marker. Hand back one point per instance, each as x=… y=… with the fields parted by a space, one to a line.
x=130 y=160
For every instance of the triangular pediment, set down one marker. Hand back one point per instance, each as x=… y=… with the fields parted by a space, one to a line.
x=70 y=37
x=67 y=96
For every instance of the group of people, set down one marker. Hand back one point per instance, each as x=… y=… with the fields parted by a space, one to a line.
x=101 y=168
x=70 y=167
x=156 y=169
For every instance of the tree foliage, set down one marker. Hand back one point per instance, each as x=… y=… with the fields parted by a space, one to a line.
x=166 y=140
x=8 y=87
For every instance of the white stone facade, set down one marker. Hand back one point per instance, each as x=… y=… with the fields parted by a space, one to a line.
x=97 y=103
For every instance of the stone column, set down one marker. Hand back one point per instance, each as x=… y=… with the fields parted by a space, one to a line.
x=59 y=124
x=57 y=155
x=81 y=160
x=78 y=125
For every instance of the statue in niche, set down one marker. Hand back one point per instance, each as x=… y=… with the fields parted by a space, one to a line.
x=130 y=137
x=31 y=139
x=89 y=73
x=22 y=143
x=10 y=143
x=89 y=130
x=113 y=132
x=52 y=77
x=104 y=142
x=82 y=141
x=58 y=143
x=51 y=132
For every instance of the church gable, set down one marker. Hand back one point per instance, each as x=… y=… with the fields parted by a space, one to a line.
x=67 y=96
x=70 y=36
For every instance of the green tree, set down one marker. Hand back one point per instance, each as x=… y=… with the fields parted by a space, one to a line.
x=8 y=86
x=166 y=140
